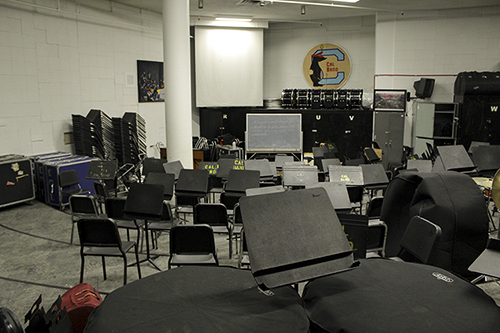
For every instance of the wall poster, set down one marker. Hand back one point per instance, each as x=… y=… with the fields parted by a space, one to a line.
x=150 y=81
x=327 y=66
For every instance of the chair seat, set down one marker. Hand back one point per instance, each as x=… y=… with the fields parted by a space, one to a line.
x=128 y=224
x=193 y=259
x=237 y=229
x=109 y=251
x=245 y=259
x=75 y=191
x=164 y=226
x=185 y=209
x=220 y=229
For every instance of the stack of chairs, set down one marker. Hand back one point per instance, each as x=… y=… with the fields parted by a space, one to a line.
x=82 y=135
x=103 y=132
x=93 y=135
x=129 y=138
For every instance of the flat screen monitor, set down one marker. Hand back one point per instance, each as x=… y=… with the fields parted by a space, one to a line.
x=389 y=100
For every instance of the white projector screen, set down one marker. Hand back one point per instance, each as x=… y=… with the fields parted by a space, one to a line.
x=229 y=67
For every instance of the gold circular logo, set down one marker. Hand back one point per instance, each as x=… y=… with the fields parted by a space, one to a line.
x=327 y=66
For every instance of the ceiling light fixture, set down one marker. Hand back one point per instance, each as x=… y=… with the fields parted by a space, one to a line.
x=312 y=3
x=200 y=4
x=303 y=10
x=234 y=19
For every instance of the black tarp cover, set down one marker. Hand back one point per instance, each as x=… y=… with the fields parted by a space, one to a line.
x=450 y=199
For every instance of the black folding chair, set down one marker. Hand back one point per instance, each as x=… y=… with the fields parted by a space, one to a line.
x=100 y=237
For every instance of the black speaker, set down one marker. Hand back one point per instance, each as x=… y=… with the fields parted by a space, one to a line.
x=477 y=83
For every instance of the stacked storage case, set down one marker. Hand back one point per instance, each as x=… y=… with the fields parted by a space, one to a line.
x=38 y=163
x=53 y=168
x=16 y=180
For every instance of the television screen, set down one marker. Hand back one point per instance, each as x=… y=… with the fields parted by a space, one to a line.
x=389 y=100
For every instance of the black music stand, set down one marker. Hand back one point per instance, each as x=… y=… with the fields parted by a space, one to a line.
x=263 y=166
x=293 y=236
x=167 y=180
x=487 y=159
x=374 y=178
x=104 y=170
x=326 y=162
x=455 y=158
x=241 y=180
x=419 y=165
x=151 y=164
x=349 y=174
x=224 y=166
x=191 y=186
x=337 y=192
x=145 y=202
x=174 y=167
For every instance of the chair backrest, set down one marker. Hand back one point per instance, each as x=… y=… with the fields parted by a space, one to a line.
x=100 y=189
x=355 y=193
x=165 y=179
x=194 y=238
x=420 y=239
x=213 y=214
x=115 y=208
x=237 y=214
x=374 y=207
x=151 y=164
x=144 y=201
x=68 y=178
x=98 y=232
x=83 y=204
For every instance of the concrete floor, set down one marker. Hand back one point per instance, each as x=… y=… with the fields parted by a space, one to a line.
x=36 y=258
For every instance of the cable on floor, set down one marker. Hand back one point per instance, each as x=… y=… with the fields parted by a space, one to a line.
x=28 y=234
x=43 y=284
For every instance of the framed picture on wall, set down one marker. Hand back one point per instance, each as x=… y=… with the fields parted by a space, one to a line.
x=150 y=83
x=389 y=100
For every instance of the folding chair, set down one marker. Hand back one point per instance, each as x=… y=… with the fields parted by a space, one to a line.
x=215 y=215
x=100 y=237
x=70 y=185
x=82 y=206
x=192 y=245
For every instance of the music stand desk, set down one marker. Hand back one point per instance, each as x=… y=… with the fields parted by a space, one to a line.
x=140 y=205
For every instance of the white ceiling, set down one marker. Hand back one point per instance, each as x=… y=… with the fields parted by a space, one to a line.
x=275 y=12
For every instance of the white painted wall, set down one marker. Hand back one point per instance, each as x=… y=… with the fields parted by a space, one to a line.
x=286 y=45
x=432 y=44
x=57 y=63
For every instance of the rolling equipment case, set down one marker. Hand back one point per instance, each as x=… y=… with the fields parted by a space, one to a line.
x=16 y=180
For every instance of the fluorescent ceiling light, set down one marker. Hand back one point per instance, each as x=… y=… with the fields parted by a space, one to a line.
x=311 y=3
x=234 y=19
